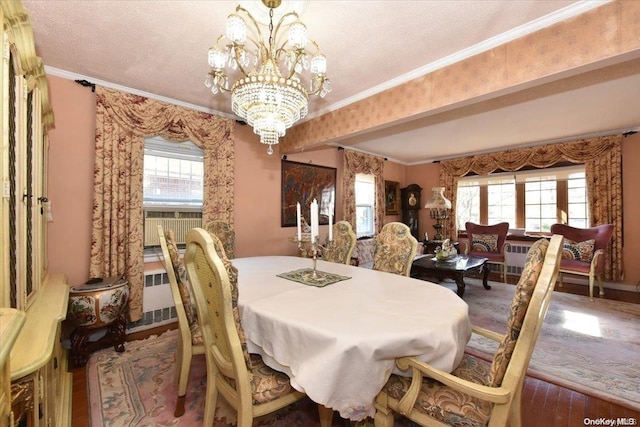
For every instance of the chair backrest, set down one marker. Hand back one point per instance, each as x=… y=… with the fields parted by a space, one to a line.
x=176 y=274
x=225 y=233
x=601 y=235
x=215 y=288
x=528 y=310
x=344 y=241
x=395 y=249
x=486 y=238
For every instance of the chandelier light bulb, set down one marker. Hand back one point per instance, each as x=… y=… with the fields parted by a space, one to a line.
x=319 y=64
x=236 y=29
x=217 y=58
x=298 y=35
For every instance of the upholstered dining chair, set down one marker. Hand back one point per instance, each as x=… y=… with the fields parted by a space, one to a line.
x=190 y=341
x=479 y=393
x=344 y=241
x=395 y=248
x=225 y=233
x=243 y=379
x=488 y=241
x=584 y=252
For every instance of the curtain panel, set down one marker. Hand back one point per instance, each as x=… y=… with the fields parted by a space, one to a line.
x=123 y=121
x=354 y=163
x=602 y=158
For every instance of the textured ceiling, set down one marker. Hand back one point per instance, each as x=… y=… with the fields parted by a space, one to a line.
x=158 y=49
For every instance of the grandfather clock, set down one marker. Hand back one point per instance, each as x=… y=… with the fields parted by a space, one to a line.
x=410 y=205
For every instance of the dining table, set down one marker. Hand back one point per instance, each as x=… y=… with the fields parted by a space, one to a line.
x=338 y=341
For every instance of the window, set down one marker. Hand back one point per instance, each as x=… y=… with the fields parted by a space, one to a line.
x=468 y=202
x=172 y=189
x=365 y=205
x=173 y=174
x=540 y=195
x=577 y=209
x=532 y=199
x=501 y=201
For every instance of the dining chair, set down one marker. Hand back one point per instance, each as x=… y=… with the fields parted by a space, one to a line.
x=225 y=233
x=190 y=341
x=243 y=379
x=584 y=252
x=395 y=248
x=341 y=247
x=488 y=241
x=480 y=393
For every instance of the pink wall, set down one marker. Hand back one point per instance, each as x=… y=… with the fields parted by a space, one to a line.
x=257 y=188
x=70 y=178
x=258 y=195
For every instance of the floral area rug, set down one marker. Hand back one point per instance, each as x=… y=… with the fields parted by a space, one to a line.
x=590 y=347
x=136 y=388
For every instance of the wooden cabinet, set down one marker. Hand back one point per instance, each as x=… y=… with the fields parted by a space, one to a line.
x=11 y=322
x=40 y=384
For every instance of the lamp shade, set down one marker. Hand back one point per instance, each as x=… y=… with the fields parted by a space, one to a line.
x=437 y=200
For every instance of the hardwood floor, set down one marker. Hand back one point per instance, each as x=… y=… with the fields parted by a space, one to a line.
x=543 y=404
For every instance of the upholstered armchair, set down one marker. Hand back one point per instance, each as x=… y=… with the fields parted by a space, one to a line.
x=584 y=252
x=225 y=233
x=341 y=247
x=488 y=241
x=395 y=249
x=479 y=393
x=190 y=341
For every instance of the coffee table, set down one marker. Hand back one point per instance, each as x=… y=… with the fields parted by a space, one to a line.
x=454 y=268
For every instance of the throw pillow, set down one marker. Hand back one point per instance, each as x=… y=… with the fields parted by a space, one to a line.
x=582 y=251
x=484 y=243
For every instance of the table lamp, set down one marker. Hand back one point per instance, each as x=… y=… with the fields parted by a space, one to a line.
x=439 y=207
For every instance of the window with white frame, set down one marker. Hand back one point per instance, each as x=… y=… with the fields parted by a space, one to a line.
x=365 y=192
x=501 y=200
x=173 y=175
x=468 y=202
x=532 y=199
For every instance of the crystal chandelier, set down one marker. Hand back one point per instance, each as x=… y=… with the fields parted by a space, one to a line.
x=269 y=94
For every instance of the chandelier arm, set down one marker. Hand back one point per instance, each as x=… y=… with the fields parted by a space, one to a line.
x=282 y=19
x=256 y=26
x=322 y=80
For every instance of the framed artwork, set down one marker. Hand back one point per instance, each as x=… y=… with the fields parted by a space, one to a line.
x=303 y=182
x=391 y=198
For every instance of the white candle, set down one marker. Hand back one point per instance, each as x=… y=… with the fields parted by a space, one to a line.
x=315 y=228
x=330 y=222
x=298 y=222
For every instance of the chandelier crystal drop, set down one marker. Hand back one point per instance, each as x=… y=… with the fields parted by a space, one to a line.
x=268 y=93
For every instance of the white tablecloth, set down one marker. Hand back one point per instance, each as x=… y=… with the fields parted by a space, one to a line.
x=339 y=343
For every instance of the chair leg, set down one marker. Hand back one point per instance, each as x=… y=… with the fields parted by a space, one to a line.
x=600 y=285
x=591 y=280
x=559 y=279
x=183 y=364
x=210 y=401
x=326 y=415
x=504 y=273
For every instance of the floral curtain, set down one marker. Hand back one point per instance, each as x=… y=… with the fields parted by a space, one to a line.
x=602 y=158
x=354 y=163
x=122 y=122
